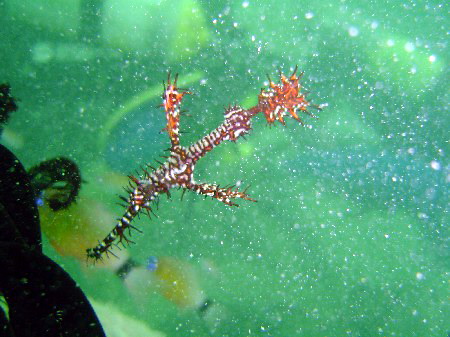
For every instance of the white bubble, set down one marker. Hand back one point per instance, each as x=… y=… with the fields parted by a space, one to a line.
x=422 y=215
x=410 y=47
x=245 y=4
x=435 y=165
x=432 y=58
x=309 y=15
x=353 y=31
x=420 y=276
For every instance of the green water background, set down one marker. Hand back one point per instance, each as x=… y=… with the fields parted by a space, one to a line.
x=350 y=232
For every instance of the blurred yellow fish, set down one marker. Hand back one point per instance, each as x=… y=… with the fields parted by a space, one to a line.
x=172 y=278
x=72 y=230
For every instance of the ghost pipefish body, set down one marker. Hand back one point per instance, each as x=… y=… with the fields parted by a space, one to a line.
x=177 y=171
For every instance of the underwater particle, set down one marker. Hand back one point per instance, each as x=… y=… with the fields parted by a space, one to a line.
x=409 y=47
x=353 y=31
x=430 y=193
x=420 y=276
x=309 y=15
x=432 y=58
x=422 y=216
x=435 y=165
x=245 y=4
x=411 y=150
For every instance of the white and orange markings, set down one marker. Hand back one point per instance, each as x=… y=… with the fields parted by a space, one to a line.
x=178 y=169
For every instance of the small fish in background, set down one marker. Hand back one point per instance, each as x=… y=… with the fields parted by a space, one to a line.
x=70 y=230
x=178 y=282
x=173 y=278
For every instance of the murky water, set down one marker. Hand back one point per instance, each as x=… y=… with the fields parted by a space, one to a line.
x=349 y=236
